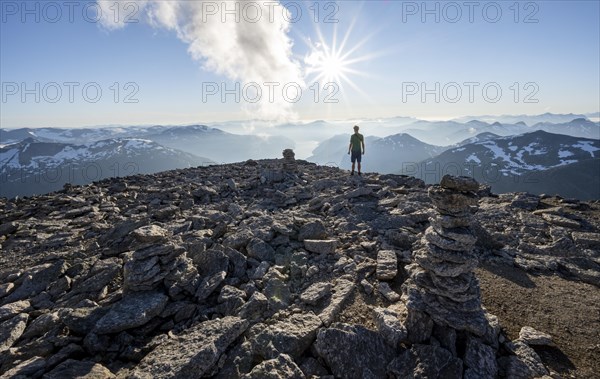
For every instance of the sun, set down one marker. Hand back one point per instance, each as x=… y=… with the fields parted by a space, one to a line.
x=327 y=64
x=328 y=61
x=332 y=66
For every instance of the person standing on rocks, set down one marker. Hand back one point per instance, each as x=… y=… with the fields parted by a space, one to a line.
x=357 y=148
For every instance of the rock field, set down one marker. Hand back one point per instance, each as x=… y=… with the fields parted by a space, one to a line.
x=285 y=269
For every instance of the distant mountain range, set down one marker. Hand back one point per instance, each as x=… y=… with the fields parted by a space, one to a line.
x=200 y=140
x=34 y=167
x=220 y=146
x=527 y=119
x=451 y=132
x=516 y=146
x=536 y=162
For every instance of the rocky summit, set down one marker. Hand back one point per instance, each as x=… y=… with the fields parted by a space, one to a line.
x=287 y=269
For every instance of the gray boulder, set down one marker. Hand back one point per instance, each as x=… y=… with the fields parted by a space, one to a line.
x=192 y=354
x=12 y=309
x=291 y=336
x=11 y=330
x=36 y=279
x=390 y=327
x=533 y=337
x=260 y=250
x=320 y=246
x=314 y=230
x=426 y=361
x=282 y=367
x=480 y=360
x=524 y=364
x=79 y=369
x=209 y=284
x=315 y=292
x=351 y=351
x=83 y=319
x=133 y=310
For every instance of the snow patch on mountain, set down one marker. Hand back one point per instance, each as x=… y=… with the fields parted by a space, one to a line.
x=473 y=158
x=137 y=143
x=565 y=153
x=7 y=158
x=587 y=146
x=516 y=160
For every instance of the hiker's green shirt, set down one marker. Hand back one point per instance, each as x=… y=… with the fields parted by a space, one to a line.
x=356 y=140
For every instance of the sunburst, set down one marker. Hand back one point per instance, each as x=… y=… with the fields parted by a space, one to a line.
x=330 y=62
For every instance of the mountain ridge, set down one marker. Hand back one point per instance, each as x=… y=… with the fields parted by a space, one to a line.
x=34 y=167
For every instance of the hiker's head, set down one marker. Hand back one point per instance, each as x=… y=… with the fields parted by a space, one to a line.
x=355 y=128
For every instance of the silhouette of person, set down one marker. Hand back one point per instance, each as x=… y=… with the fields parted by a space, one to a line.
x=356 y=142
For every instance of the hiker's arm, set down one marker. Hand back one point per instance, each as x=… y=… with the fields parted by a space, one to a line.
x=349 y=147
x=363 y=145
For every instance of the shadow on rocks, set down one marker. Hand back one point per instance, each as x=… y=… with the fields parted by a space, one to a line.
x=514 y=274
x=555 y=359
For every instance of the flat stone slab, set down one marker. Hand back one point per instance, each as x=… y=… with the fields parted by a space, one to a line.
x=291 y=336
x=341 y=291
x=321 y=246
x=533 y=337
x=315 y=292
x=79 y=369
x=11 y=330
x=586 y=239
x=360 y=191
x=12 y=309
x=281 y=367
x=353 y=351
x=459 y=183
x=193 y=353
x=388 y=293
x=132 y=311
x=561 y=221
x=149 y=233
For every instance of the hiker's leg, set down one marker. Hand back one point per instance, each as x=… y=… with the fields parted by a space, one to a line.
x=358 y=167
x=353 y=166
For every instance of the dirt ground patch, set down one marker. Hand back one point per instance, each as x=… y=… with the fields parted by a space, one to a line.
x=569 y=311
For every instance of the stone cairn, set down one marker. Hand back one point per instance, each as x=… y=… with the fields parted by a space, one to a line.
x=289 y=162
x=445 y=317
x=442 y=282
x=451 y=334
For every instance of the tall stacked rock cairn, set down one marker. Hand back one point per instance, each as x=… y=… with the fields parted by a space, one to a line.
x=442 y=284
x=289 y=161
x=452 y=336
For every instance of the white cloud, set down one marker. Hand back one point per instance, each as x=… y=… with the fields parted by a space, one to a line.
x=250 y=49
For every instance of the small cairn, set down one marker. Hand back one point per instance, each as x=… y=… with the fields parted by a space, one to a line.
x=442 y=283
x=289 y=162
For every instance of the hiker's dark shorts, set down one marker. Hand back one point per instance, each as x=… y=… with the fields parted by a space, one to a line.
x=356 y=156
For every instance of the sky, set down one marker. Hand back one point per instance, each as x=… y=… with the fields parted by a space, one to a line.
x=85 y=63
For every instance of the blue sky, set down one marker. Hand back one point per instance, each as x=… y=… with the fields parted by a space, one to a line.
x=398 y=51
